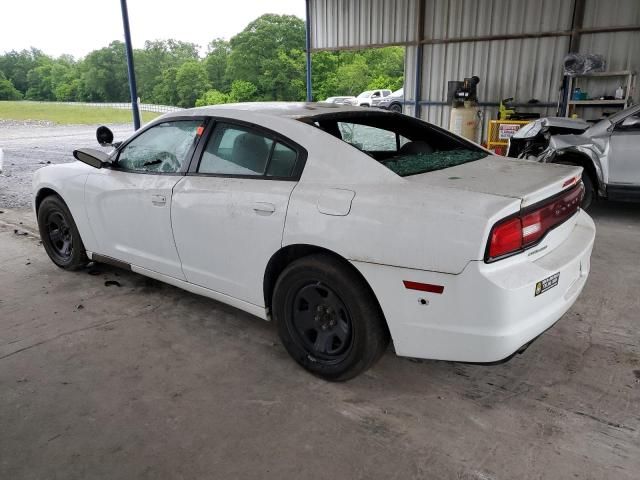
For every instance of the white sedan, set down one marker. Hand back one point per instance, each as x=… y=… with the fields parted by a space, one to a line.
x=345 y=226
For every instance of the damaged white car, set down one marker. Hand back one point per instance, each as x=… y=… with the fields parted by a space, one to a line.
x=609 y=151
x=346 y=226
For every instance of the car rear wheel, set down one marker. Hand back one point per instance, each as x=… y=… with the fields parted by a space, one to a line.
x=589 y=191
x=328 y=319
x=396 y=108
x=59 y=234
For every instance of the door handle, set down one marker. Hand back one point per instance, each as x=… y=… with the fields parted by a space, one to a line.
x=159 y=200
x=264 y=208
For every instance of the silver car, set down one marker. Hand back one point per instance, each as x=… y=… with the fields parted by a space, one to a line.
x=608 y=151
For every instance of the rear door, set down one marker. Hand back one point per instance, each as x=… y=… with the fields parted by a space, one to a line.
x=624 y=160
x=229 y=211
x=129 y=205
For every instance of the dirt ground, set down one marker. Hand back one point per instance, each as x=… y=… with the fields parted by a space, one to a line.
x=146 y=381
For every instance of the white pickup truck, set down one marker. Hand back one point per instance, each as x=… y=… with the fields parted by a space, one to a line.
x=371 y=98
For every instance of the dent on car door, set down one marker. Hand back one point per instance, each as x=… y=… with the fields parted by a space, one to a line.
x=228 y=213
x=624 y=163
x=129 y=204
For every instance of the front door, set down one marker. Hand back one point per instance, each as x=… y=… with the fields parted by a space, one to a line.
x=129 y=205
x=624 y=158
x=228 y=214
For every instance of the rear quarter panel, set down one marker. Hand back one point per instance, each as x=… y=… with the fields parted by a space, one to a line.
x=439 y=229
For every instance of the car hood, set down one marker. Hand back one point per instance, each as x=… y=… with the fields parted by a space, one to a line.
x=528 y=181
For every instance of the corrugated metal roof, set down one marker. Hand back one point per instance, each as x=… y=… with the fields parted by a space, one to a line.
x=348 y=23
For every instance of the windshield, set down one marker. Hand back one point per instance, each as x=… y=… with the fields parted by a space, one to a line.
x=406 y=146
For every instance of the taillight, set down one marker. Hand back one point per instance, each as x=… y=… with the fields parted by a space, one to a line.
x=506 y=237
x=514 y=234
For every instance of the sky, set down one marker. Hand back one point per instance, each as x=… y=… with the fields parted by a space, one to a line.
x=77 y=27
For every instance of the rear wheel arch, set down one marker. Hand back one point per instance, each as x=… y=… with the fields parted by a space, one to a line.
x=289 y=254
x=581 y=160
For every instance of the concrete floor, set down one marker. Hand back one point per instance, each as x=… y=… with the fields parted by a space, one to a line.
x=147 y=381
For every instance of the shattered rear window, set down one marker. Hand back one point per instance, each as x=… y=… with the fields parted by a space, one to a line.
x=416 y=163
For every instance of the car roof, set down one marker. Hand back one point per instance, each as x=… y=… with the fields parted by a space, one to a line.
x=293 y=110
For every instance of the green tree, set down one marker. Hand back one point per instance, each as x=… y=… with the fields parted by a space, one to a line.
x=16 y=66
x=264 y=49
x=216 y=63
x=191 y=82
x=7 y=90
x=242 y=91
x=165 y=92
x=156 y=57
x=212 y=97
x=104 y=75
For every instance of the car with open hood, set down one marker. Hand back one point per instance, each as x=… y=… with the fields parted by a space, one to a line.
x=347 y=227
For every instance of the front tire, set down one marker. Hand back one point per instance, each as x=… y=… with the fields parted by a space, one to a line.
x=59 y=234
x=328 y=319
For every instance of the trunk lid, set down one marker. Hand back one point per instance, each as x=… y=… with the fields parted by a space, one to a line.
x=529 y=181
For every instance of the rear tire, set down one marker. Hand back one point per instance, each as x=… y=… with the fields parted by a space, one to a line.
x=328 y=319
x=396 y=108
x=589 y=191
x=59 y=234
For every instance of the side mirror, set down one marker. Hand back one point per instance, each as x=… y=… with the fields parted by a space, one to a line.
x=104 y=136
x=92 y=157
x=631 y=122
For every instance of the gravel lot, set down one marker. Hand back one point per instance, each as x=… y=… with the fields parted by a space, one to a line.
x=30 y=145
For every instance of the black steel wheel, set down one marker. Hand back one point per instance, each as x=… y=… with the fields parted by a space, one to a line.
x=59 y=234
x=321 y=322
x=327 y=318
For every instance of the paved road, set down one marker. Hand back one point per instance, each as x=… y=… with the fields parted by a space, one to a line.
x=28 y=146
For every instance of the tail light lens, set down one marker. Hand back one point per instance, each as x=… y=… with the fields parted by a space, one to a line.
x=515 y=234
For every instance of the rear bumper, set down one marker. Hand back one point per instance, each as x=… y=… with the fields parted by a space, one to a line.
x=487 y=312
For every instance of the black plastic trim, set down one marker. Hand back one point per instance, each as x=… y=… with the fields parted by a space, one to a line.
x=623 y=193
x=96 y=257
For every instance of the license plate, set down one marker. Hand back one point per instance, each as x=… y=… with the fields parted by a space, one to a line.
x=547 y=283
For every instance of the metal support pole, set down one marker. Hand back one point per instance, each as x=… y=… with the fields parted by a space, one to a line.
x=308 y=56
x=132 y=74
x=417 y=94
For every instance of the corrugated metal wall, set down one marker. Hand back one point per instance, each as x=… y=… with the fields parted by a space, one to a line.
x=523 y=68
x=337 y=24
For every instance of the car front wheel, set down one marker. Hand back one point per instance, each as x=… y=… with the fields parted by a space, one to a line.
x=59 y=234
x=328 y=319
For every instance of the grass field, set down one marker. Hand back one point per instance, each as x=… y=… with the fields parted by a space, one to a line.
x=67 y=114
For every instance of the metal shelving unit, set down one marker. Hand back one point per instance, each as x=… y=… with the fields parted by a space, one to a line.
x=622 y=103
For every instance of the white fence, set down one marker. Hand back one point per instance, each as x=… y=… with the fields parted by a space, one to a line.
x=144 y=107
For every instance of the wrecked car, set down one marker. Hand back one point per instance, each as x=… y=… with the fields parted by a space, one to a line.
x=347 y=227
x=608 y=151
